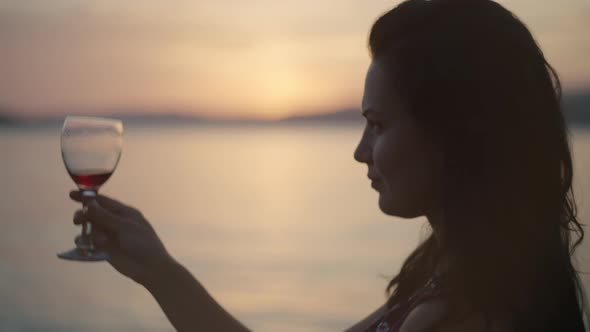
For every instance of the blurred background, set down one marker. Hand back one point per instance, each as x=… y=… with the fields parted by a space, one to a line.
x=241 y=119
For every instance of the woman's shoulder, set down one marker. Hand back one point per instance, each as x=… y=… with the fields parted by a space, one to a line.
x=424 y=316
x=367 y=321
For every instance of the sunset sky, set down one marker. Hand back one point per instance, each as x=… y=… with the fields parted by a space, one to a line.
x=258 y=58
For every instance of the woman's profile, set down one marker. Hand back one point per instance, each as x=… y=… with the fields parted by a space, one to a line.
x=463 y=126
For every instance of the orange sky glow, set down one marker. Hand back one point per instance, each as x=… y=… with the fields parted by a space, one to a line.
x=224 y=58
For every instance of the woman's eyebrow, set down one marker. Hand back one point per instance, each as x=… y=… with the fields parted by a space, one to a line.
x=370 y=110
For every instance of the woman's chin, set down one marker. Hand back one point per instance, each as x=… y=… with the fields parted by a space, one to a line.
x=385 y=205
x=399 y=209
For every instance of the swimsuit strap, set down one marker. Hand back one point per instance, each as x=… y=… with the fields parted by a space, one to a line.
x=392 y=319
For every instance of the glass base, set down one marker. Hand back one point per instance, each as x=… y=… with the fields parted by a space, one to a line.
x=84 y=255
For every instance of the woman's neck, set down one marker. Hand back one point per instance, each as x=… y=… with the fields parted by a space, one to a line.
x=435 y=220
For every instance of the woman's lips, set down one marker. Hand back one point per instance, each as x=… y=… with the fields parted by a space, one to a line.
x=375 y=184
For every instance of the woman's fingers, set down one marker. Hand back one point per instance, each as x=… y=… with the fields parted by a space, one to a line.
x=76 y=195
x=100 y=240
x=104 y=218
x=99 y=237
x=106 y=202
x=79 y=217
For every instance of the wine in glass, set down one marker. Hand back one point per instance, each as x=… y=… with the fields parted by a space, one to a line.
x=91 y=149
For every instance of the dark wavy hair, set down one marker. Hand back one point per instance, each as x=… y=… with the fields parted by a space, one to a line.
x=476 y=81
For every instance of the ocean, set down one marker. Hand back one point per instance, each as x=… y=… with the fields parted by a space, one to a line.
x=279 y=223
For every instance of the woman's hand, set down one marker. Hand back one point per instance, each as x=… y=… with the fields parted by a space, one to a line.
x=122 y=231
x=137 y=252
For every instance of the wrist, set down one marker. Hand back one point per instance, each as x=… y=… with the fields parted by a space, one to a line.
x=163 y=271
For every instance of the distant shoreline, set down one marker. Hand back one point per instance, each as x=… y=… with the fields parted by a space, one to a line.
x=340 y=117
x=576 y=110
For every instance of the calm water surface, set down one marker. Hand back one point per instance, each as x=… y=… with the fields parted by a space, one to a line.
x=279 y=223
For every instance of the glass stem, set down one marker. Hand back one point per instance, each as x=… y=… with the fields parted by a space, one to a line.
x=86 y=240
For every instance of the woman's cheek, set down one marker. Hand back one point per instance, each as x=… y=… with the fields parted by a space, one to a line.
x=384 y=155
x=379 y=157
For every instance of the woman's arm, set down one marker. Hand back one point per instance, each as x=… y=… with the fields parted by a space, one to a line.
x=187 y=304
x=137 y=252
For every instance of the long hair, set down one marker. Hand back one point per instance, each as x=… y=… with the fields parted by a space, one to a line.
x=479 y=86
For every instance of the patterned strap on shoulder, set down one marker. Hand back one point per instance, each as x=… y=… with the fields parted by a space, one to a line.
x=393 y=318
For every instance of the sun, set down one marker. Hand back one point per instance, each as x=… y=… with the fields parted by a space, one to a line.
x=279 y=92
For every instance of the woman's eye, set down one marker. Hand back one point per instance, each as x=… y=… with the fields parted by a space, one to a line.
x=375 y=126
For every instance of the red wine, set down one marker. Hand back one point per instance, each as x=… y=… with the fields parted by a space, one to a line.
x=90 y=178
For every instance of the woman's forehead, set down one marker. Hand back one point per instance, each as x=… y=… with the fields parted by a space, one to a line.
x=379 y=90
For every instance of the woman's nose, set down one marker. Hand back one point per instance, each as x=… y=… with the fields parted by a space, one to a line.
x=362 y=153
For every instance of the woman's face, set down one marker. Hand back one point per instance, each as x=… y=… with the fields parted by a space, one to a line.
x=403 y=166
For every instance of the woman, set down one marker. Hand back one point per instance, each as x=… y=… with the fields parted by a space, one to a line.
x=464 y=127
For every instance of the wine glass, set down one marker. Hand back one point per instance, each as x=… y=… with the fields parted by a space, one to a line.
x=91 y=149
